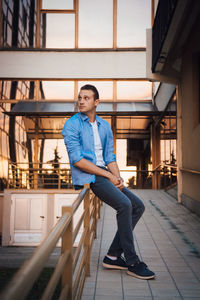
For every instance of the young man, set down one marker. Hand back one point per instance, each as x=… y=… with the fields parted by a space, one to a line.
x=89 y=143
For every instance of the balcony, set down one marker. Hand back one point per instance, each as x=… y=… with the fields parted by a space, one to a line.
x=163 y=19
x=173 y=24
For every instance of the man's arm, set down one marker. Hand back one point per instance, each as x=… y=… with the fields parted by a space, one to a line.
x=87 y=166
x=113 y=168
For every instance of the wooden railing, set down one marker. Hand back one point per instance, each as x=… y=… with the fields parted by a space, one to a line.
x=167 y=172
x=74 y=263
x=44 y=175
x=58 y=176
x=191 y=171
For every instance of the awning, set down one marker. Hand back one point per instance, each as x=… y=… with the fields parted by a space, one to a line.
x=132 y=118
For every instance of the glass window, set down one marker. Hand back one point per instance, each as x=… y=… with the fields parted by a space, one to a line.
x=4 y=168
x=60 y=31
x=95 y=23
x=105 y=88
x=4 y=144
x=156 y=86
x=6 y=123
x=134 y=90
x=58 y=4
x=49 y=148
x=7 y=89
x=58 y=90
x=168 y=151
x=1 y=118
x=133 y=17
x=0 y=142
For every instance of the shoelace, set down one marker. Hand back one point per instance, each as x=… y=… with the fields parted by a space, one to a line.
x=122 y=258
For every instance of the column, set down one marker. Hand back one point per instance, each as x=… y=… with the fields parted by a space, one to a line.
x=155 y=154
x=114 y=129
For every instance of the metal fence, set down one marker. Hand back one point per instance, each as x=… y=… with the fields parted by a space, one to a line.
x=58 y=176
x=36 y=176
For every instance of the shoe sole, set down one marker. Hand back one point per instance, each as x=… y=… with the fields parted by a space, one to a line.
x=140 y=277
x=114 y=267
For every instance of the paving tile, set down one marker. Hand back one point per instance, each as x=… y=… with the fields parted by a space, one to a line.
x=137 y=298
x=163 y=297
x=189 y=286
x=88 y=291
x=190 y=293
x=131 y=282
x=180 y=269
x=87 y=297
x=138 y=292
x=162 y=285
x=165 y=291
x=108 y=291
x=108 y=297
x=108 y=284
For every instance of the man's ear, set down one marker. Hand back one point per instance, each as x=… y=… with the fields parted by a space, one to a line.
x=96 y=102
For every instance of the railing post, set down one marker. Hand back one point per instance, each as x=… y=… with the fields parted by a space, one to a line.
x=95 y=199
x=67 y=245
x=87 y=228
x=59 y=179
x=99 y=208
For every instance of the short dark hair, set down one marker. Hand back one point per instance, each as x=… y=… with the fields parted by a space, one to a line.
x=92 y=88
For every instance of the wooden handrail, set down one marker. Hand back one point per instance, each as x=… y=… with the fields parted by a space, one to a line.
x=79 y=199
x=24 y=279
x=196 y=172
x=164 y=165
x=48 y=293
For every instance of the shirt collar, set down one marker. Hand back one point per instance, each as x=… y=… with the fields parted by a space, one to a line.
x=85 y=118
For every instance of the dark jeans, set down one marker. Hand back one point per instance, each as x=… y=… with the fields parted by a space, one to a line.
x=129 y=209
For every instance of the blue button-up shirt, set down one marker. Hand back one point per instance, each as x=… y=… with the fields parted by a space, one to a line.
x=79 y=140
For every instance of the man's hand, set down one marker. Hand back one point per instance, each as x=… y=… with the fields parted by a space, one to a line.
x=117 y=181
x=120 y=185
x=114 y=169
x=113 y=175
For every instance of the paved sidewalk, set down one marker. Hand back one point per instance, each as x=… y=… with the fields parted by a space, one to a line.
x=167 y=239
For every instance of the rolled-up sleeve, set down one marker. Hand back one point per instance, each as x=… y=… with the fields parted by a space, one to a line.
x=72 y=142
x=109 y=153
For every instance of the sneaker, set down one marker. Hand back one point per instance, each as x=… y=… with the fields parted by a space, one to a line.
x=117 y=264
x=141 y=271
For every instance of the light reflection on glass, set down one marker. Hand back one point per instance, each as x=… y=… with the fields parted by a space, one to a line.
x=60 y=31
x=134 y=90
x=168 y=151
x=58 y=4
x=105 y=88
x=133 y=17
x=58 y=89
x=95 y=23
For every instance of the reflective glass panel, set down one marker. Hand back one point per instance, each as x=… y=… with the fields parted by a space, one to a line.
x=49 y=148
x=133 y=17
x=95 y=23
x=58 y=90
x=60 y=31
x=105 y=88
x=58 y=4
x=168 y=151
x=134 y=90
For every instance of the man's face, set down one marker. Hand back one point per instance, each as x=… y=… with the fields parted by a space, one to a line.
x=86 y=102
